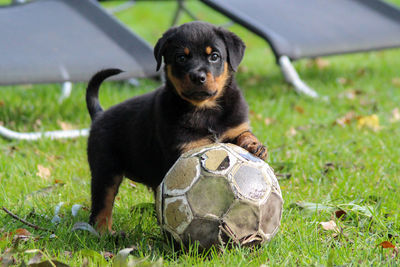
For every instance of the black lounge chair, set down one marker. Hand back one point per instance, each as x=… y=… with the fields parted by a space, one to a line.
x=64 y=41
x=311 y=28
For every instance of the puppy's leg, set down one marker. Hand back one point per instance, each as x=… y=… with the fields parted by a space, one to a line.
x=243 y=137
x=248 y=141
x=104 y=189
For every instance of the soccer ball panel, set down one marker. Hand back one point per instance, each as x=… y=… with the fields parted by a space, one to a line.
x=181 y=176
x=210 y=196
x=204 y=231
x=244 y=154
x=242 y=220
x=217 y=161
x=177 y=213
x=251 y=182
x=271 y=212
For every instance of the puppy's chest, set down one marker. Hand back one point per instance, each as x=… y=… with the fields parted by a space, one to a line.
x=203 y=123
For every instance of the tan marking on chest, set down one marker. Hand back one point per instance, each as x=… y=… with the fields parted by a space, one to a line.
x=194 y=144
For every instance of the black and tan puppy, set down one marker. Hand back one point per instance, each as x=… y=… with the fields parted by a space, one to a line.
x=200 y=104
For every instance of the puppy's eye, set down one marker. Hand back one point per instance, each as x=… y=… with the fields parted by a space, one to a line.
x=214 y=57
x=181 y=58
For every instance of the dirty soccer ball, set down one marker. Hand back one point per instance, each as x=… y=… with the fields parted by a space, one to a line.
x=217 y=194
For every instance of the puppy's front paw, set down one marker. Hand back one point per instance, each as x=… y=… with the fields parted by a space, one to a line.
x=249 y=142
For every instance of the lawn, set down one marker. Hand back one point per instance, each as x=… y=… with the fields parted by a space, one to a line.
x=337 y=157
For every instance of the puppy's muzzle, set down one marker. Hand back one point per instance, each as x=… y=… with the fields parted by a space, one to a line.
x=199 y=95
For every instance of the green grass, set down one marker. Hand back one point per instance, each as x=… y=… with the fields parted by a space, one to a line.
x=303 y=141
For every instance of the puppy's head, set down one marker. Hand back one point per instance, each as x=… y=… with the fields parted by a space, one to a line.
x=199 y=59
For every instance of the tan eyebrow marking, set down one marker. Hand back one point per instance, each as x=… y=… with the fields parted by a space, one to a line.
x=208 y=50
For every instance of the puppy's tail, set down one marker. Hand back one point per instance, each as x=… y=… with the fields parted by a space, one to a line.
x=92 y=91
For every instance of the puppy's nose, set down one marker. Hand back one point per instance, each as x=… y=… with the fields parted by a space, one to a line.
x=198 y=77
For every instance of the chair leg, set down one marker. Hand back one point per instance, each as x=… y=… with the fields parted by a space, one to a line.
x=12 y=135
x=65 y=91
x=182 y=8
x=32 y=136
x=292 y=77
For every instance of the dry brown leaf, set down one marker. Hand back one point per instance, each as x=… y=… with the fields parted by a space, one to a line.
x=351 y=94
x=371 y=122
x=387 y=244
x=299 y=109
x=340 y=214
x=395 y=115
x=1 y=103
x=43 y=172
x=344 y=81
x=396 y=81
x=22 y=231
x=269 y=121
x=292 y=132
x=66 y=126
x=346 y=119
x=330 y=226
x=107 y=255
x=320 y=63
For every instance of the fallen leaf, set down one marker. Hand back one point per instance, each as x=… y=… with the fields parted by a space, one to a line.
x=66 y=126
x=340 y=214
x=346 y=119
x=387 y=244
x=22 y=231
x=320 y=63
x=107 y=255
x=330 y=226
x=371 y=122
x=57 y=181
x=291 y=132
x=396 y=81
x=299 y=109
x=344 y=81
x=351 y=94
x=269 y=121
x=43 y=172
x=395 y=115
x=17 y=235
x=361 y=72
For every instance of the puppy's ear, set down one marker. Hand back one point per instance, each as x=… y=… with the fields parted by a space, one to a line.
x=161 y=44
x=234 y=46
